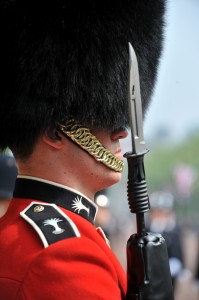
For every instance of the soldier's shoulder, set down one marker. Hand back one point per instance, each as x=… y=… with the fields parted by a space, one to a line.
x=50 y=222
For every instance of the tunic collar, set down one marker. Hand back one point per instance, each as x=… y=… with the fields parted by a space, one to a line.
x=39 y=189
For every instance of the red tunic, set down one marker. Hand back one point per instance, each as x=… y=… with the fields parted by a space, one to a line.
x=74 y=268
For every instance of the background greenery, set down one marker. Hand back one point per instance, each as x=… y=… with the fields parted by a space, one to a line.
x=160 y=166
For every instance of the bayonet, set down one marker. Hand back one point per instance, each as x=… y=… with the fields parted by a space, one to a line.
x=147 y=259
x=135 y=105
x=137 y=188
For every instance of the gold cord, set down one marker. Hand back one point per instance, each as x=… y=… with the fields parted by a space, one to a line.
x=86 y=140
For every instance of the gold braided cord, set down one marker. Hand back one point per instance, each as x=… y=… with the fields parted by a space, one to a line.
x=86 y=140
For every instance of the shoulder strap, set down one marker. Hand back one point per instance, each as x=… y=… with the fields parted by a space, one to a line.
x=50 y=222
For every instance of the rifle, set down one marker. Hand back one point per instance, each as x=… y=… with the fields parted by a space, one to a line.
x=148 y=273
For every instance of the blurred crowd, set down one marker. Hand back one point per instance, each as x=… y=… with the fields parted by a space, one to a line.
x=182 y=241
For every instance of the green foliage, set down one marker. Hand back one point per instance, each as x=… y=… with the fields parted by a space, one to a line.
x=160 y=165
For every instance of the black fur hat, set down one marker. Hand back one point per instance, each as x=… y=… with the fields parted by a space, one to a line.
x=69 y=59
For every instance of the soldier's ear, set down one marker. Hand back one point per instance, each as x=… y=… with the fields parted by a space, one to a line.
x=53 y=139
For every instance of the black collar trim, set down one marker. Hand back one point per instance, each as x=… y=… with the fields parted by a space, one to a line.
x=37 y=190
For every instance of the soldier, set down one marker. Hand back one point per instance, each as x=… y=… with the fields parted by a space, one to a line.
x=8 y=174
x=162 y=219
x=63 y=111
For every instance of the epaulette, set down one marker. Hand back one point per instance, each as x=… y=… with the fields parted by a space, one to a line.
x=50 y=222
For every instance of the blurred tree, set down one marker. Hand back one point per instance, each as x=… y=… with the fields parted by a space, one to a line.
x=160 y=167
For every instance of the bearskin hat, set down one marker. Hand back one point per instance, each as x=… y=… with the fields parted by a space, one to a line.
x=66 y=59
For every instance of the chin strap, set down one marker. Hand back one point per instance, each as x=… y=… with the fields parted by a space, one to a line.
x=86 y=140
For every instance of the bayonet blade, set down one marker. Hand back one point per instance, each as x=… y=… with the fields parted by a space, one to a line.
x=135 y=105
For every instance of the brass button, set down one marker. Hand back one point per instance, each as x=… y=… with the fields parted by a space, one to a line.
x=38 y=208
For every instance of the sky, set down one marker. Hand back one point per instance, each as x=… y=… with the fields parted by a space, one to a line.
x=174 y=108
